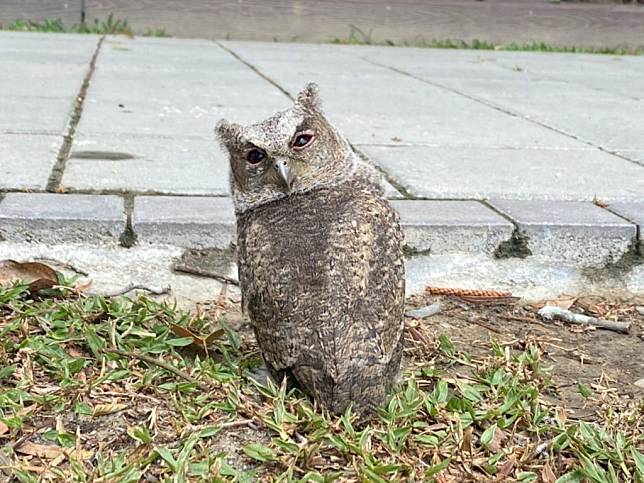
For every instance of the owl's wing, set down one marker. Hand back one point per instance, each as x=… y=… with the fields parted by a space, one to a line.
x=374 y=274
x=264 y=297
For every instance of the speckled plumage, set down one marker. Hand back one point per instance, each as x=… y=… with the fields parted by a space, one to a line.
x=320 y=262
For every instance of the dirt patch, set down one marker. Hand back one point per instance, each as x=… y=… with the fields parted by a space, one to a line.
x=580 y=358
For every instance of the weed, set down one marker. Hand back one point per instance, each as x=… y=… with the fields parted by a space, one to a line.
x=98 y=389
x=110 y=26
x=359 y=37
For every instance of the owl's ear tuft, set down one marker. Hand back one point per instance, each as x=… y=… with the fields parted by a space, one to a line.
x=228 y=133
x=309 y=97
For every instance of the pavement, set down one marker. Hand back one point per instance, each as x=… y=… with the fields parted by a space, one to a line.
x=509 y=169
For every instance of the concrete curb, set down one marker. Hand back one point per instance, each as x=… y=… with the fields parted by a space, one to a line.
x=57 y=218
x=578 y=234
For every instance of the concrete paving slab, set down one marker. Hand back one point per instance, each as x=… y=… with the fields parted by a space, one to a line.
x=452 y=226
x=30 y=79
x=147 y=164
x=636 y=156
x=167 y=118
x=633 y=212
x=414 y=111
x=147 y=53
x=589 y=110
x=54 y=47
x=26 y=160
x=439 y=172
x=239 y=87
x=579 y=233
x=614 y=124
x=61 y=218
x=189 y=222
x=35 y=115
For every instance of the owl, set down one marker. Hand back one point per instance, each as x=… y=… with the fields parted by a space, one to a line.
x=320 y=256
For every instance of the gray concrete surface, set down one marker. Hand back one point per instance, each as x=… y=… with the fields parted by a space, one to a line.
x=574 y=232
x=541 y=135
x=194 y=222
x=57 y=218
x=442 y=227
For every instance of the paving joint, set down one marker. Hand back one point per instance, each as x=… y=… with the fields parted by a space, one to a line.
x=504 y=110
x=514 y=247
x=400 y=188
x=390 y=179
x=56 y=175
x=128 y=238
x=255 y=69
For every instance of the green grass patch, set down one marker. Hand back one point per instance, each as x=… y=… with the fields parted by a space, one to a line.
x=110 y=26
x=97 y=389
x=358 y=36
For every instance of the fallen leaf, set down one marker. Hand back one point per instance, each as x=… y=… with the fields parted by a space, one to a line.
x=562 y=302
x=139 y=453
x=38 y=275
x=466 y=444
x=47 y=451
x=505 y=470
x=198 y=340
x=547 y=475
x=82 y=287
x=103 y=409
x=3 y=428
x=497 y=440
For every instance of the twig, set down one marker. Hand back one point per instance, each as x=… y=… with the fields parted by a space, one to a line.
x=133 y=286
x=206 y=273
x=550 y=312
x=236 y=424
x=162 y=364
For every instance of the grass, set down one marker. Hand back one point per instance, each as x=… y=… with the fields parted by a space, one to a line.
x=111 y=26
x=358 y=36
x=112 y=390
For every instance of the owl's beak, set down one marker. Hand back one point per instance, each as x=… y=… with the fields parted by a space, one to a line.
x=284 y=170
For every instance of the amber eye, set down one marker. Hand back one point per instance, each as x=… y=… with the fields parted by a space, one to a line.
x=255 y=156
x=302 y=140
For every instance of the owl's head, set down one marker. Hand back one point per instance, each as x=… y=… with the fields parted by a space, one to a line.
x=292 y=152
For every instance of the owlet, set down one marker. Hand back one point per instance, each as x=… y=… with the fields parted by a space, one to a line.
x=320 y=256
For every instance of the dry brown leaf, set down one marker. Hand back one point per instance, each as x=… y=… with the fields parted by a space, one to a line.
x=562 y=302
x=466 y=443
x=46 y=451
x=38 y=275
x=139 y=453
x=103 y=409
x=547 y=475
x=82 y=287
x=198 y=340
x=3 y=428
x=505 y=470
x=497 y=440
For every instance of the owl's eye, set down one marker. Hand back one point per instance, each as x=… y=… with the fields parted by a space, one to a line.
x=302 y=140
x=255 y=156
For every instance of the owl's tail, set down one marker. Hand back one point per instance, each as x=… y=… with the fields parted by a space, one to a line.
x=363 y=386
